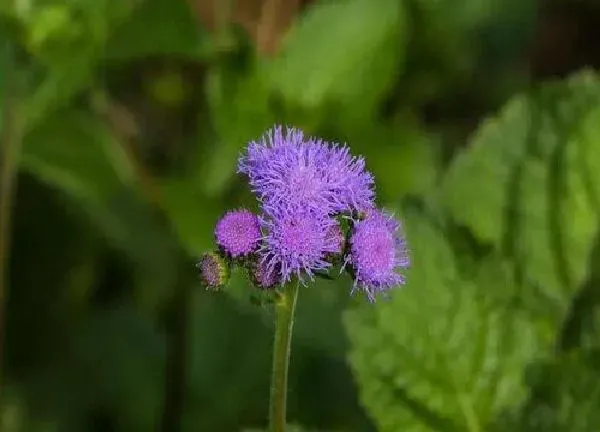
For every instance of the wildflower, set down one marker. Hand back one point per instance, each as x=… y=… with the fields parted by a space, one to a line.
x=296 y=242
x=377 y=252
x=214 y=270
x=290 y=171
x=238 y=233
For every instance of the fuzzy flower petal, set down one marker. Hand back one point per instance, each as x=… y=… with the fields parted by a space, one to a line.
x=296 y=243
x=287 y=170
x=377 y=252
x=347 y=178
x=237 y=233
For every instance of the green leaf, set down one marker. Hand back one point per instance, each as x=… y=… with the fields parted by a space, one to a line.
x=289 y=428
x=578 y=214
x=80 y=32
x=565 y=397
x=168 y=28
x=401 y=154
x=477 y=185
x=589 y=155
x=439 y=355
x=128 y=381
x=346 y=51
x=74 y=152
x=219 y=387
x=61 y=83
x=234 y=100
x=192 y=215
x=519 y=185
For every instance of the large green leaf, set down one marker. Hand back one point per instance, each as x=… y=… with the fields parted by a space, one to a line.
x=346 y=51
x=566 y=397
x=439 y=355
x=589 y=155
x=520 y=185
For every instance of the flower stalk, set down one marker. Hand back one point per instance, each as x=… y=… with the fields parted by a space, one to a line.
x=285 y=308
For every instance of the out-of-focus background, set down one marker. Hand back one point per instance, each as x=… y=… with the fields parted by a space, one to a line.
x=121 y=122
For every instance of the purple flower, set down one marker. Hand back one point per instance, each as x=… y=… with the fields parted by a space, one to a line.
x=296 y=242
x=238 y=232
x=214 y=270
x=377 y=252
x=286 y=170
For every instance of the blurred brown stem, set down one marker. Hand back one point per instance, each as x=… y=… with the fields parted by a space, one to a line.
x=10 y=139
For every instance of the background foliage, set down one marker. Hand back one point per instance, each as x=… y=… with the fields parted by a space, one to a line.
x=481 y=122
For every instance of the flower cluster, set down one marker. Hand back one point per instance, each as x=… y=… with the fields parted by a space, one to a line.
x=317 y=209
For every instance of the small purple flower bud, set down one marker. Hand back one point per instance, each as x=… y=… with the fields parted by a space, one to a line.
x=377 y=252
x=237 y=233
x=263 y=277
x=296 y=242
x=336 y=236
x=214 y=270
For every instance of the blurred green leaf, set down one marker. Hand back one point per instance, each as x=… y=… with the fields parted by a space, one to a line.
x=118 y=360
x=410 y=356
x=60 y=84
x=289 y=428
x=406 y=161
x=463 y=47
x=589 y=155
x=343 y=51
x=158 y=28
x=233 y=100
x=566 y=397
x=192 y=214
x=74 y=152
x=132 y=226
x=519 y=185
x=229 y=364
x=67 y=66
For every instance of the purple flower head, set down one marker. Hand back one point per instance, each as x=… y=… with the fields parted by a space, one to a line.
x=296 y=242
x=238 y=232
x=290 y=171
x=214 y=270
x=377 y=252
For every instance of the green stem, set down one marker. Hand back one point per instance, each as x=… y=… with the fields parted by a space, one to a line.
x=284 y=322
